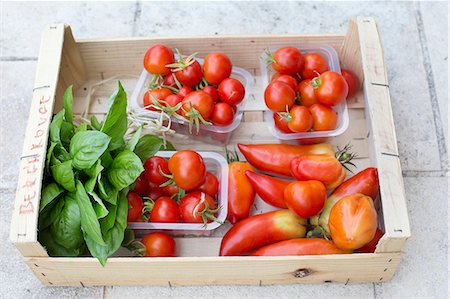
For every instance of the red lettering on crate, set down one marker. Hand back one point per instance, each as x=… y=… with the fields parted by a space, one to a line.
x=29 y=184
x=43 y=120
x=36 y=146
x=27 y=207
x=39 y=133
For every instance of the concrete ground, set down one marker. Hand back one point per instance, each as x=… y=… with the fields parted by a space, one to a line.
x=415 y=37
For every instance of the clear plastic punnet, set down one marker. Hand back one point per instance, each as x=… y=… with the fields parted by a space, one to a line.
x=207 y=133
x=331 y=56
x=216 y=164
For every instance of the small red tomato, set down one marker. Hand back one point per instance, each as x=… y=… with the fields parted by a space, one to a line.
x=325 y=118
x=154 y=191
x=169 y=80
x=188 y=169
x=307 y=95
x=231 y=91
x=306 y=198
x=223 y=114
x=135 y=204
x=301 y=119
x=330 y=88
x=197 y=207
x=212 y=91
x=211 y=185
x=201 y=102
x=314 y=63
x=170 y=190
x=156 y=58
x=216 y=67
x=279 y=96
x=191 y=74
x=281 y=123
x=154 y=167
x=289 y=80
x=173 y=100
x=287 y=60
x=184 y=91
x=141 y=185
x=352 y=82
x=160 y=94
x=165 y=210
x=159 y=245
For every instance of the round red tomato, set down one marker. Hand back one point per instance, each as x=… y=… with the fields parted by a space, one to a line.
x=307 y=95
x=188 y=169
x=190 y=74
x=301 y=119
x=141 y=185
x=279 y=96
x=231 y=91
x=165 y=210
x=281 y=123
x=202 y=103
x=314 y=63
x=305 y=198
x=159 y=245
x=135 y=204
x=216 y=67
x=197 y=207
x=184 y=91
x=223 y=114
x=211 y=185
x=212 y=91
x=330 y=88
x=157 y=58
x=154 y=191
x=160 y=94
x=287 y=60
x=289 y=80
x=153 y=168
x=173 y=100
x=169 y=80
x=325 y=118
x=352 y=82
x=170 y=190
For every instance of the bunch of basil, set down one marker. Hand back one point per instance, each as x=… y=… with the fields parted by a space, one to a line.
x=87 y=173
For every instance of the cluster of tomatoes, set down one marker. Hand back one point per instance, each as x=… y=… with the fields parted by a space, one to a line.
x=303 y=91
x=187 y=90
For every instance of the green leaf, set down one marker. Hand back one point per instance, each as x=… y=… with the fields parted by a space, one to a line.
x=106 y=190
x=168 y=147
x=93 y=173
x=55 y=136
x=66 y=230
x=54 y=249
x=114 y=236
x=63 y=175
x=131 y=145
x=100 y=209
x=49 y=156
x=95 y=123
x=106 y=159
x=108 y=222
x=49 y=193
x=81 y=128
x=48 y=215
x=89 y=221
x=124 y=169
x=67 y=131
x=87 y=147
x=148 y=146
x=68 y=104
x=116 y=124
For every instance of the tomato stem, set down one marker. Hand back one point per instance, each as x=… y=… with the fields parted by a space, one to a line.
x=194 y=117
x=269 y=59
x=182 y=63
x=231 y=156
x=344 y=156
x=207 y=213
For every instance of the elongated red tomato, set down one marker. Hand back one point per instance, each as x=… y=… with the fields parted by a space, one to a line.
x=303 y=246
x=270 y=189
x=305 y=198
x=276 y=158
x=279 y=96
x=262 y=229
x=330 y=88
x=159 y=245
x=241 y=195
x=216 y=67
x=188 y=169
x=314 y=63
x=287 y=60
x=157 y=58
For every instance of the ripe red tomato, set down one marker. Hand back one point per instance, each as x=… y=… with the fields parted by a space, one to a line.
x=170 y=190
x=201 y=102
x=188 y=169
x=154 y=191
x=156 y=58
x=223 y=114
x=307 y=95
x=211 y=185
x=305 y=198
x=159 y=245
x=301 y=119
x=352 y=82
x=135 y=207
x=191 y=74
x=287 y=60
x=279 y=96
x=231 y=91
x=193 y=208
x=165 y=210
x=330 y=88
x=212 y=91
x=184 y=91
x=153 y=168
x=173 y=100
x=289 y=80
x=281 y=123
x=169 y=80
x=160 y=94
x=325 y=118
x=141 y=185
x=216 y=67
x=314 y=63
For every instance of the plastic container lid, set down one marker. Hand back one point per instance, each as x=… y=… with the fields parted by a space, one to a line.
x=216 y=164
x=331 y=56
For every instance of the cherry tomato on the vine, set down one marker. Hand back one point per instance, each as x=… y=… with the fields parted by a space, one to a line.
x=160 y=94
x=197 y=207
x=189 y=71
x=202 y=103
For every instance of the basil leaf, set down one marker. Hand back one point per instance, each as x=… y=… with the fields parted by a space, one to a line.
x=108 y=222
x=67 y=131
x=66 y=230
x=49 y=193
x=89 y=221
x=168 y=147
x=54 y=249
x=106 y=159
x=148 y=146
x=81 y=128
x=100 y=209
x=49 y=156
x=114 y=236
x=116 y=124
x=55 y=136
x=87 y=147
x=95 y=123
x=93 y=173
x=124 y=169
x=68 y=104
x=131 y=145
x=107 y=191
x=48 y=215
x=63 y=175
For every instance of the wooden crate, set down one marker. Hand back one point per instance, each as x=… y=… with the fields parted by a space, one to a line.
x=64 y=61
